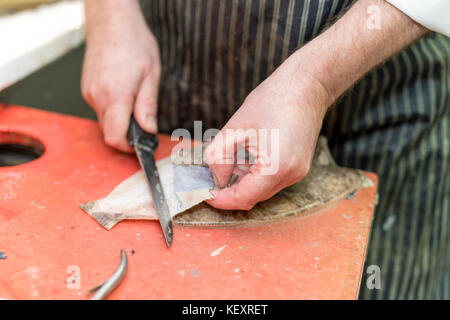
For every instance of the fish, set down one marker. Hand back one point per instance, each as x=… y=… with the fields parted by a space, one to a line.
x=183 y=186
x=187 y=182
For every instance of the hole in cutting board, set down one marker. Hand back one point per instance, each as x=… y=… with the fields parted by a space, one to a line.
x=17 y=148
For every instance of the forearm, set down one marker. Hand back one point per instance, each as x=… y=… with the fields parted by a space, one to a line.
x=345 y=52
x=104 y=15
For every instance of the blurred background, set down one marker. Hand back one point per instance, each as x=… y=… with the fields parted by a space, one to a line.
x=41 y=55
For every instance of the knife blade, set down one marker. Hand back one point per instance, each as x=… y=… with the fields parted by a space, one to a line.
x=145 y=144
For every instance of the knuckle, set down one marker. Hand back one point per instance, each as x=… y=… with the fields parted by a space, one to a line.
x=103 y=88
x=94 y=92
x=86 y=90
x=102 y=91
x=300 y=172
x=242 y=204
x=92 y=96
x=86 y=94
x=112 y=141
x=296 y=170
x=246 y=206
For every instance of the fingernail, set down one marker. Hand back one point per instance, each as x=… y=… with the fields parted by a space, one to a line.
x=216 y=181
x=232 y=180
x=151 y=122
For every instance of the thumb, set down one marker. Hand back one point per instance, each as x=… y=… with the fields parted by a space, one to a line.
x=146 y=104
x=243 y=195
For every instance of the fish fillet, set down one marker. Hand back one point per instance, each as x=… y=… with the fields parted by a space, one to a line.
x=132 y=199
x=187 y=186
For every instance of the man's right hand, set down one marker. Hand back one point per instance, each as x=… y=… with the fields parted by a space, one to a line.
x=121 y=69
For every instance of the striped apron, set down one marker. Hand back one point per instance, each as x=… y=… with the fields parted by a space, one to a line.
x=394 y=122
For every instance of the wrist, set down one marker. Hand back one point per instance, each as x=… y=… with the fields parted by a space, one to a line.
x=107 y=19
x=307 y=86
x=314 y=63
x=340 y=56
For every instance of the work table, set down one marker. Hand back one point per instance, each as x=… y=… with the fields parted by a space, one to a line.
x=56 y=251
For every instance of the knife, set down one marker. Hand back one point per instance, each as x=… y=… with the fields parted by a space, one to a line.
x=145 y=144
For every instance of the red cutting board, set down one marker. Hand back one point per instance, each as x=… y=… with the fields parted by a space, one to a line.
x=48 y=240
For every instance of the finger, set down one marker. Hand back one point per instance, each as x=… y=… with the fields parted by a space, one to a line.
x=220 y=156
x=100 y=116
x=247 y=192
x=146 y=104
x=115 y=122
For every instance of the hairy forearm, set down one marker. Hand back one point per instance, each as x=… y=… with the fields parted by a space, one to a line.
x=102 y=16
x=351 y=47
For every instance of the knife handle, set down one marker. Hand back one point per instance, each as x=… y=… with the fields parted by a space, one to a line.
x=136 y=136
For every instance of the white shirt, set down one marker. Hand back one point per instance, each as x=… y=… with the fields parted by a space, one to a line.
x=432 y=14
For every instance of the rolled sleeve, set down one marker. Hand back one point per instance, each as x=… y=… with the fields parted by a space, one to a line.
x=432 y=14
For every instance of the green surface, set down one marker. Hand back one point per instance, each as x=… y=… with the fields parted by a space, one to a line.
x=55 y=87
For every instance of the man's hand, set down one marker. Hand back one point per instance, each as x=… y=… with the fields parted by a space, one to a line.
x=285 y=115
x=121 y=69
x=294 y=100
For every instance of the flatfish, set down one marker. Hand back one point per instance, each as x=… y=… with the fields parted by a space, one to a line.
x=187 y=182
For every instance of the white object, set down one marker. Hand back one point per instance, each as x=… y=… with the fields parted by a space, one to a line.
x=33 y=38
x=432 y=14
x=183 y=186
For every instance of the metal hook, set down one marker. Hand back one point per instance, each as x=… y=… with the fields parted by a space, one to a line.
x=106 y=288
